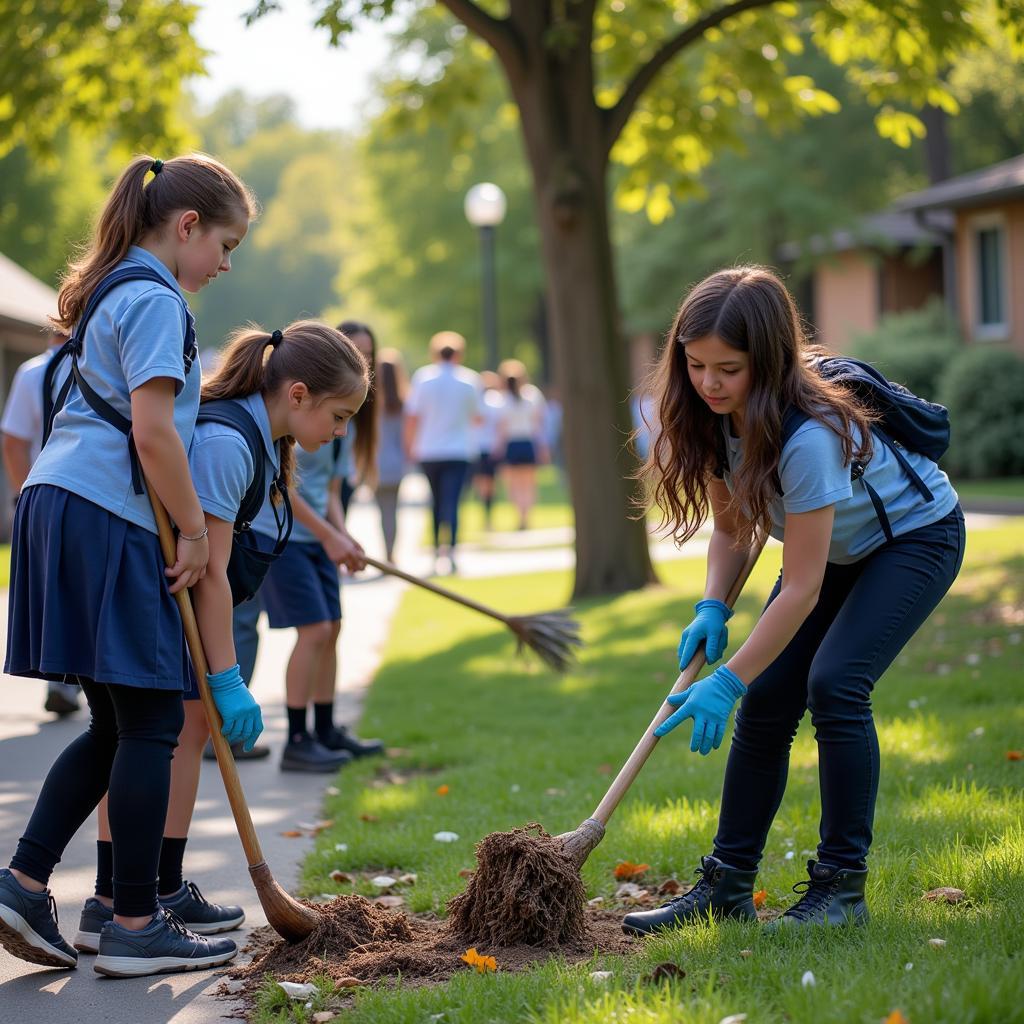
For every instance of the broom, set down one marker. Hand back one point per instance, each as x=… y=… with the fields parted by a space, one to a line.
x=527 y=887
x=550 y=635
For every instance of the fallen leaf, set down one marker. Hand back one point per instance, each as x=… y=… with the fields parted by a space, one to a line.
x=669 y=888
x=760 y=898
x=667 y=971
x=1015 y=755
x=600 y=976
x=746 y=953
x=292 y=833
x=626 y=870
x=936 y=943
x=629 y=890
x=368 y=817
x=945 y=894
x=442 y=790
x=409 y=878
x=807 y=980
x=293 y=990
x=446 y=837
x=554 y=791
x=596 y=901
x=348 y=982
x=482 y=964
x=332 y=791
x=322 y=1016
x=389 y=902
x=896 y=1017
x=604 y=769
x=306 y=826
x=341 y=877
x=395 y=751
x=383 y=881
x=464 y=872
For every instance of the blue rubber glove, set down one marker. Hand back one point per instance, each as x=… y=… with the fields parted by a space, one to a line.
x=709 y=626
x=708 y=702
x=243 y=721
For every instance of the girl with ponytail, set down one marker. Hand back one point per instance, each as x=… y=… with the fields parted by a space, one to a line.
x=90 y=599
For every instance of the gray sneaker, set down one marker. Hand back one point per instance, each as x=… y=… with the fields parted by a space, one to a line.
x=28 y=925
x=198 y=914
x=94 y=916
x=164 y=946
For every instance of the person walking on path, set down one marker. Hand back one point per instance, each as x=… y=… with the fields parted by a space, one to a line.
x=357 y=449
x=520 y=437
x=866 y=558
x=84 y=527
x=442 y=408
x=488 y=460
x=391 y=464
x=22 y=428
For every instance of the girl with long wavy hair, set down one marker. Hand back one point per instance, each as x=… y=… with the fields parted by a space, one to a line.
x=735 y=366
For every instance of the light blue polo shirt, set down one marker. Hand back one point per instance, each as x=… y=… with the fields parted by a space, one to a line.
x=812 y=476
x=222 y=466
x=136 y=334
x=315 y=471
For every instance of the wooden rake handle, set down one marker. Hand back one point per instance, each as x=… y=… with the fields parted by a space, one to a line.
x=631 y=769
x=393 y=570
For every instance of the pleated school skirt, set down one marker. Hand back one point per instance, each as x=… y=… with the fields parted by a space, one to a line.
x=88 y=598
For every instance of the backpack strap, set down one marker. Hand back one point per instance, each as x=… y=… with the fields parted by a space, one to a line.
x=74 y=347
x=234 y=415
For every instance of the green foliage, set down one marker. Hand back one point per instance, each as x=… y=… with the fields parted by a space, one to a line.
x=113 y=69
x=913 y=348
x=983 y=388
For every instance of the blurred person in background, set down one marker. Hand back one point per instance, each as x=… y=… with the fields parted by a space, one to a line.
x=487 y=436
x=521 y=437
x=391 y=465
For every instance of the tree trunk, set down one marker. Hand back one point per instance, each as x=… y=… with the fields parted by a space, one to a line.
x=565 y=145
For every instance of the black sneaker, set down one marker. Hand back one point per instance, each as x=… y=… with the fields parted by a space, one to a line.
x=198 y=914
x=238 y=752
x=28 y=925
x=61 y=699
x=342 y=739
x=309 y=755
x=721 y=891
x=94 y=916
x=164 y=946
x=831 y=895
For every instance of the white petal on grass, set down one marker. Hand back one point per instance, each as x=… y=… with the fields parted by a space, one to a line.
x=733 y=1018
x=600 y=977
x=293 y=990
x=808 y=979
x=908 y=967
x=790 y=855
x=446 y=837
x=341 y=847
x=936 y=943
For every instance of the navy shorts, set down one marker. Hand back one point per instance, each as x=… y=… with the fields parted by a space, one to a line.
x=486 y=465
x=520 y=453
x=302 y=587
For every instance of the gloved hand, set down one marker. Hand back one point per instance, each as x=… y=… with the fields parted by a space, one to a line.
x=243 y=721
x=709 y=626
x=708 y=702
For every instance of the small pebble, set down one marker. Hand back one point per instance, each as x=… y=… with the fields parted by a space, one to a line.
x=908 y=967
x=446 y=837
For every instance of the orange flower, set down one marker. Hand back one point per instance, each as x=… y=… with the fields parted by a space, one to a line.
x=442 y=790
x=482 y=964
x=896 y=1017
x=760 y=897
x=1015 y=755
x=626 y=870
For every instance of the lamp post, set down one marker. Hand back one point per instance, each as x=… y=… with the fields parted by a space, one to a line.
x=485 y=209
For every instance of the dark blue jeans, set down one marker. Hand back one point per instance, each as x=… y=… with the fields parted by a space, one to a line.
x=446 y=478
x=865 y=615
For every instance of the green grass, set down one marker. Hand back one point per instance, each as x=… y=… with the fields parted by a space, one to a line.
x=1004 y=488
x=515 y=744
x=5 y=565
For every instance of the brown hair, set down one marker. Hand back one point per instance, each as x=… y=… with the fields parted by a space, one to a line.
x=133 y=209
x=446 y=345
x=309 y=351
x=393 y=386
x=749 y=309
x=364 y=451
x=514 y=376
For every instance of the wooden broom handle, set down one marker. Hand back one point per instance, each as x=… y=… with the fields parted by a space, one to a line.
x=225 y=759
x=393 y=570
x=630 y=770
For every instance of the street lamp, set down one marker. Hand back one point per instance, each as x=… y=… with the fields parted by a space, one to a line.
x=485 y=209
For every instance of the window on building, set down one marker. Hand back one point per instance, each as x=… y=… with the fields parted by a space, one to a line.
x=990 y=250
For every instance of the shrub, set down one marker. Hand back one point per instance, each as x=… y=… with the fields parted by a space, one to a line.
x=983 y=388
x=912 y=348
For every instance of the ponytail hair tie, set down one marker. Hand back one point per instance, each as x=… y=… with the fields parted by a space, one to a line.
x=276 y=338
x=156 y=166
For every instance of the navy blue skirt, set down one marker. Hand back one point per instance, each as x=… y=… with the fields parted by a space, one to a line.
x=89 y=599
x=302 y=587
x=520 y=453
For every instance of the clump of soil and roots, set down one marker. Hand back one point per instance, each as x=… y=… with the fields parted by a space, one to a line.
x=524 y=904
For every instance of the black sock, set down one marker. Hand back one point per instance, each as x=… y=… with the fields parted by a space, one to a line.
x=172 y=852
x=323 y=718
x=105 y=868
x=296 y=724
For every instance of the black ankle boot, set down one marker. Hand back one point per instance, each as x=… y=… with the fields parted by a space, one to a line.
x=721 y=891
x=339 y=738
x=830 y=896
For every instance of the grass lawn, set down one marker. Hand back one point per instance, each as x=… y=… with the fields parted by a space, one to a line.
x=514 y=744
x=1008 y=487
x=5 y=565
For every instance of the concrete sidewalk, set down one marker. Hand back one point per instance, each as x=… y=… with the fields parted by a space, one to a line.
x=30 y=740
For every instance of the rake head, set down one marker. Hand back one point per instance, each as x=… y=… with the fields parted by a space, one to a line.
x=551 y=635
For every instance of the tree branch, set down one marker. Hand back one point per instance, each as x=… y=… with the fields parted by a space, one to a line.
x=496 y=32
x=617 y=116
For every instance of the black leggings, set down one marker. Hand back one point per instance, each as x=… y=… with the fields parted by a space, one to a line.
x=126 y=750
x=865 y=615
